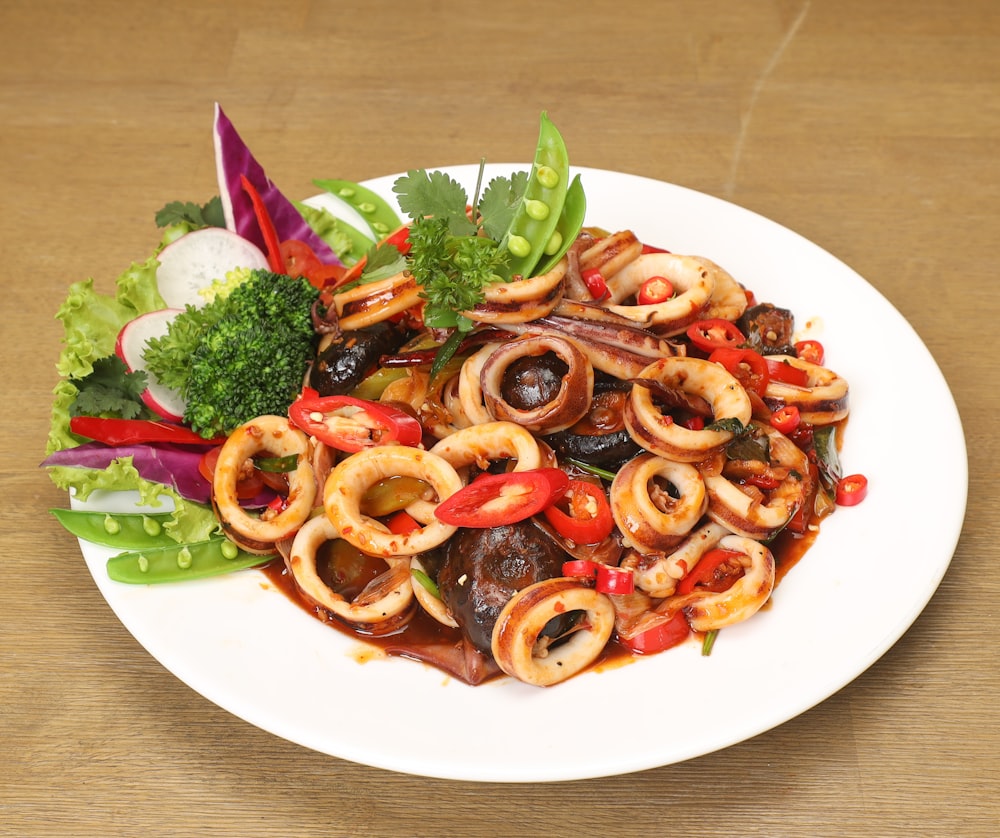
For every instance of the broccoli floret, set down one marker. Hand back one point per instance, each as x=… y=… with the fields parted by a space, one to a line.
x=252 y=359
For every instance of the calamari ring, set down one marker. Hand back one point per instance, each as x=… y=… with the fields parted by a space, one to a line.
x=515 y=642
x=693 y=279
x=611 y=254
x=355 y=474
x=659 y=577
x=276 y=436
x=521 y=300
x=650 y=429
x=571 y=402
x=645 y=525
x=470 y=389
x=366 y=305
x=747 y=516
x=823 y=401
x=384 y=603
x=707 y=611
x=728 y=300
x=433 y=605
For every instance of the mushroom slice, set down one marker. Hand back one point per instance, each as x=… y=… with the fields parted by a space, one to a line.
x=652 y=518
x=275 y=436
x=522 y=652
x=384 y=603
x=654 y=432
x=354 y=475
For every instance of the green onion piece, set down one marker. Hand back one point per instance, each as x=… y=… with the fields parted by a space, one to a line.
x=599 y=472
x=425 y=581
x=708 y=642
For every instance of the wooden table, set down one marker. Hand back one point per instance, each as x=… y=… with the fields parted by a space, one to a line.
x=871 y=128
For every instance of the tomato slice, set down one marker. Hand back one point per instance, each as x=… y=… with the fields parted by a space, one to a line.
x=583 y=514
x=249 y=483
x=350 y=424
x=811 y=351
x=299 y=258
x=656 y=289
x=659 y=638
x=706 y=574
x=709 y=335
x=745 y=365
x=402 y=523
x=493 y=500
x=784 y=372
x=786 y=419
x=851 y=490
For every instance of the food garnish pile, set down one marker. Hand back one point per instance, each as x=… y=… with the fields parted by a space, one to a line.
x=471 y=428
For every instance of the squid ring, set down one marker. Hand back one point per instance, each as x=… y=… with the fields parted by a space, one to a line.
x=432 y=604
x=645 y=525
x=354 y=475
x=692 y=277
x=707 y=611
x=611 y=254
x=575 y=392
x=823 y=401
x=380 y=607
x=659 y=434
x=470 y=389
x=522 y=300
x=516 y=647
x=728 y=300
x=368 y=304
x=275 y=435
x=659 y=577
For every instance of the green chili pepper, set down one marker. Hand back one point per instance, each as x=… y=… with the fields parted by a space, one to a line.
x=277 y=465
x=179 y=562
x=378 y=213
x=122 y=530
x=539 y=212
x=569 y=226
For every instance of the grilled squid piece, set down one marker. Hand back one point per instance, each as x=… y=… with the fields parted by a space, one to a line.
x=728 y=300
x=693 y=279
x=521 y=300
x=470 y=388
x=823 y=401
x=366 y=305
x=707 y=611
x=521 y=650
x=611 y=254
x=432 y=604
x=658 y=574
x=746 y=511
x=659 y=434
x=275 y=436
x=381 y=607
x=354 y=475
x=650 y=518
x=571 y=402
x=482 y=444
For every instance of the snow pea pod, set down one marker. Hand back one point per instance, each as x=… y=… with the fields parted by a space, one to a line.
x=180 y=562
x=121 y=530
x=537 y=215
x=570 y=223
x=378 y=213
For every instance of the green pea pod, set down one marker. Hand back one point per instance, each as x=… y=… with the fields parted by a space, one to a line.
x=121 y=530
x=537 y=215
x=378 y=213
x=181 y=562
x=570 y=223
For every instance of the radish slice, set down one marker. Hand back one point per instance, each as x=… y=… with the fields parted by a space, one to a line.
x=197 y=259
x=130 y=347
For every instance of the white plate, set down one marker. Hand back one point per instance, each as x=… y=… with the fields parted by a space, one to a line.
x=245 y=647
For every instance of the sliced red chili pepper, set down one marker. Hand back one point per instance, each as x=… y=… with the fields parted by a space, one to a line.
x=580 y=568
x=651 y=248
x=704 y=573
x=583 y=514
x=656 y=289
x=402 y=523
x=596 y=284
x=695 y=423
x=270 y=235
x=786 y=419
x=811 y=351
x=709 y=335
x=664 y=636
x=350 y=424
x=746 y=366
x=786 y=373
x=400 y=239
x=493 y=500
x=614 y=580
x=763 y=481
x=300 y=260
x=851 y=490
x=136 y=431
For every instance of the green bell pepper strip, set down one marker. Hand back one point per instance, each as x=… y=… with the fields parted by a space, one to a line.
x=378 y=213
x=570 y=223
x=537 y=215
x=121 y=530
x=181 y=562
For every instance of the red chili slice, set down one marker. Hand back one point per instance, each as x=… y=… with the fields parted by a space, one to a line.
x=664 y=636
x=596 y=284
x=709 y=335
x=745 y=365
x=350 y=424
x=656 y=289
x=786 y=419
x=112 y=431
x=851 y=490
x=493 y=500
x=811 y=351
x=583 y=514
x=786 y=373
x=274 y=258
x=703 y=574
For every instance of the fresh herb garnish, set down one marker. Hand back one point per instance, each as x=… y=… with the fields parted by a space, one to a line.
x=111 y=390
x=187 y=212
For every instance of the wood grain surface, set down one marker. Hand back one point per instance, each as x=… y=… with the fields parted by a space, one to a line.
x=871 y=128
